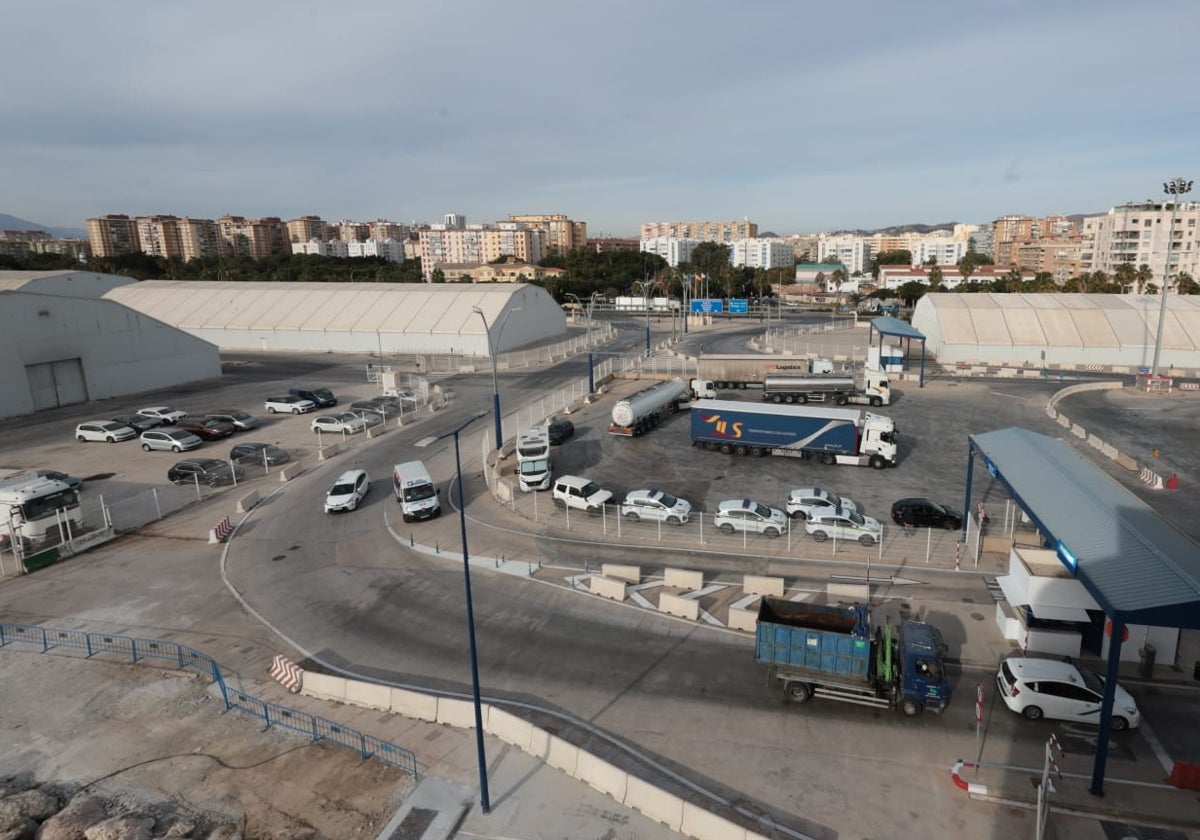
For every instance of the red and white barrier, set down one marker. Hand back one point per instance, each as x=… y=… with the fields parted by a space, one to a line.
x=1151 y=478
x=1093 y=367
x=218 y=535
x=286 y=673
x=1189 y=386
x=971 y=788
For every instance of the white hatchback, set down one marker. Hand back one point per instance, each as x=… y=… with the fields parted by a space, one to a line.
x=104 y=430
x=749 y=515
x=350 y=488
x=347 y=422
x=843 y=524
x=655 y=506
x=1054 y=688
x=163 y=413
x=807 y=501
x=174 y=440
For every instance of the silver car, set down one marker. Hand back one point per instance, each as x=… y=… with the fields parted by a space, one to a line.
x=173 y=440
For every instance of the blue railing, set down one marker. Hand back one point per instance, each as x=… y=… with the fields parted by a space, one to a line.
x=185 y=658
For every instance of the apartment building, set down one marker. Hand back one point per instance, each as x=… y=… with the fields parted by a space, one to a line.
x=672 y=249
x=723 y=232
x=602 y=244
x=306 y=228
x=159 y=236
x=349 y=231
x=560 y=235
x=853 y=252
x=944 y=250
x=382 y=230
x=389 y=249
x=1061 y=258
x=895 y=276
x=113 y=235
x=322 y=248
x=1139 y=233
x=198 y=238
x=478 y=244
x=761 y=253
x=257 y=238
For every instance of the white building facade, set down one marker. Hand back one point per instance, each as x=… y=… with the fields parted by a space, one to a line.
x=672 y=249
x=317 y=248
x=1136 y=234
x=389 y=249
x=944 y=250
x=854 y=252
x=761 y=253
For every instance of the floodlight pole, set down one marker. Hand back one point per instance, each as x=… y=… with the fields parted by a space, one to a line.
x=487 y=331
x=1175 y=187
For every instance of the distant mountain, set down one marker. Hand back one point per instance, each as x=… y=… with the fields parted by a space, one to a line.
x=13 y=223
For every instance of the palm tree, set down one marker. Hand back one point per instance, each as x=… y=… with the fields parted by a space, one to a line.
x=1125 y=277
x=1143 y=275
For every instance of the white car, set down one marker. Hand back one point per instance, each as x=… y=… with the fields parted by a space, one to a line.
x=806 y=501
x=347 y=422
x=844 y=525
x=163 y=413
x=572 y=491
x=288 y=404
x=350 y=488
x=655 y=506
x=749 y=515
x=104 y=430
x=1054 y=688
x=175 y=440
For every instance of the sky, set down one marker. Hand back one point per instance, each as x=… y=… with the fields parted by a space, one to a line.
x=798 y=116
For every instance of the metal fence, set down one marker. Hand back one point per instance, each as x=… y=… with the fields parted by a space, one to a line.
x=798 y=340
x=185 y=658
x=438 y=361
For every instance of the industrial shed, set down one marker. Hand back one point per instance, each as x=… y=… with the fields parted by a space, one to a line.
x=350 y=317
x=1073 y=329
x=62 y=343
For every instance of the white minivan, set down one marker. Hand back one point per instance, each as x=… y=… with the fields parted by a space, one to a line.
x=415 y=491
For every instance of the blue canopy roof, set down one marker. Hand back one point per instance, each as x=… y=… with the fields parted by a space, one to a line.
x=888 y=325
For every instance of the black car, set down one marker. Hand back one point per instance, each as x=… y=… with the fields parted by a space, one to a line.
x=321 y=397
x=925 y=513
x=139 y=423
x=560 y=430
x=208 y=471
x=259 y=454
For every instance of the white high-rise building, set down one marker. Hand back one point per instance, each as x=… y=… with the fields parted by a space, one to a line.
x=672 y=249
x=1136 y=234
x=761 y=253
x=854 y=252
x=947 y=250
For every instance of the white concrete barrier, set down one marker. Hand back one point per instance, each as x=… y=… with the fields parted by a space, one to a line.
x=1126 y=462
x=1078 y=431
x=539 y=743
x=685 y=579
x=509 y=728
x=654 y=803
x=1006 y=373
x=633 y=574
x=1094 y=441
x=1031 y=374
x=561 y=755
x=1109 y=450
x=289 y=472
x=743 y=619
x=368 y=695
x=848 y=592
x=247 y=502
x=607 y=587
x=762 y=585
x=1064 y=421
x=324 y=687
x=599 y=774
x=327 y=451
x=414 y=704
x=460 y=713
x=705 y=825
x=678 y=605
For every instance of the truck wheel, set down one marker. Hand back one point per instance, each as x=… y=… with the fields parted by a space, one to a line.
x=910 y=707
x=841 y=400
x=771 y=533
x=801 y=398
x=820 y=536
x=726 y=449
x=633 y=517
x=757 y=451
x=798 y=692
x=741 y=449
x=725 y=529
x=876 y=402
x=867 y=540
x=878 y=462
x=776 y=399
x=828 y=459
x=789 y=399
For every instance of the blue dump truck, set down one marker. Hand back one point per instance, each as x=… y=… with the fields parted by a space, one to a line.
x=831 y=651
x=834 y=435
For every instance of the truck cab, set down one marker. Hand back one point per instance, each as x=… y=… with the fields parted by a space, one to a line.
x=923 y=674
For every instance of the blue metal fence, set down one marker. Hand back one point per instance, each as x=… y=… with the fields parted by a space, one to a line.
x=184 y=658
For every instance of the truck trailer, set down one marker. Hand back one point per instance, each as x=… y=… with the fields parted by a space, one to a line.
x=646 y=409
x=738 y=371
x=789 y=388
x=834 y=435
x=813 y=650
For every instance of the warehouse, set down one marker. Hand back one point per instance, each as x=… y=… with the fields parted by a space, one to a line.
x=383 y=318
x=1059 y=329
x=61 y=343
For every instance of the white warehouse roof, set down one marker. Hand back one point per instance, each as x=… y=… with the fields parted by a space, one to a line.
x=1068 y=328
x=350 y=317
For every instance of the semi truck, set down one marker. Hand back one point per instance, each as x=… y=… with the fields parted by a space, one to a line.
x=834 y=435
x=646 y=409
x=533 y=459
x=36 y=511
x=789 y=388
x=734 y=371
x=816 y=650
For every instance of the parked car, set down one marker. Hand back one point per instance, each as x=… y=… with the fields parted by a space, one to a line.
x=560 y=430
x=1057 y=689
x=655 y=506
x=260 y=454
x=924 y=513
x=163 y=413
x=208 y=429
x=104 y=430
x=368 y=409
x=408 y=398
x=350 y=488
x=210 y=471
x=320 y=397
x=844 y=524
x=175 y=440
x=240 y=420
x=345 y=423
x=749 y=515
x=71 y=481
x=572 y=491
x=807 y=501
x=393 y=405
x=288 y=404
x=137 y=422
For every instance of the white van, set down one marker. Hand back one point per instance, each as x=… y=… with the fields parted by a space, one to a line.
x=533 y=459
x=415 y=491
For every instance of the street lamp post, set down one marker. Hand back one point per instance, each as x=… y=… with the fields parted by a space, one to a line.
x=587 y=311
x=487 y=331
x=645 y=286
x=484 y=798
x=1175 y=187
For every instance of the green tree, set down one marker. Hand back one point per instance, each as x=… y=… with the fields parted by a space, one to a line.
x=898 y=257
x=1125 y=276
x=1185 y=285
x=911 y=292
x=712 y=260
x=1142 y=276
x=935 y=276
x=437 y=276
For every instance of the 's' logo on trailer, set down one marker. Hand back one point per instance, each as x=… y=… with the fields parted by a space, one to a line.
x=722 y=428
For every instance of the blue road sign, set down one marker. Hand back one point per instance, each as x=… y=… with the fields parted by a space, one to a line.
x=739 y=306
x=708 y=305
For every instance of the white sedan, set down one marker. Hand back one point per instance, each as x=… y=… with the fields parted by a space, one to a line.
x=345 y=423
x=844 y=524
x=655 y=506
x=809 y=501
x=163 y=413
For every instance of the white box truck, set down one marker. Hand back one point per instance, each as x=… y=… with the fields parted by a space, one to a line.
x=533 y=459
x=415 y=491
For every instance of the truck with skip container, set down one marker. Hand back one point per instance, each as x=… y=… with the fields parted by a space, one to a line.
x=646 y=409
x=789 y=388
x=814 y=650
x=533 y=459
x=415 y=491
x=738 y=371
x=834 y=435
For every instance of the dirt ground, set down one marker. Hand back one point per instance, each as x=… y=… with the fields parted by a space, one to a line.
x=151 y=736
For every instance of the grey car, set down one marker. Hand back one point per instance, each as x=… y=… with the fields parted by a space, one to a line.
x=240 y=420
x=259 y=454
x=173 y=440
